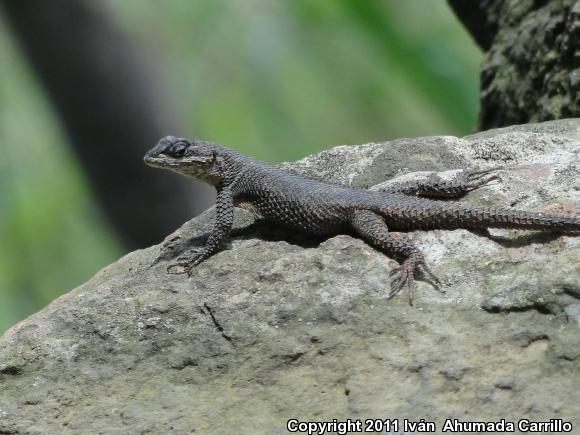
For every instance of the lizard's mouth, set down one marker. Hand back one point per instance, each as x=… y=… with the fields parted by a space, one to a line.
x=153 y=160
x=161 y=160
x=158 y=159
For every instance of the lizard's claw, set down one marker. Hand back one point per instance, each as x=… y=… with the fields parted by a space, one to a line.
x=405 y=276
x=428 y=276
x=478 y=178
x=186 y=263
x=478 y=173
x=172 y=269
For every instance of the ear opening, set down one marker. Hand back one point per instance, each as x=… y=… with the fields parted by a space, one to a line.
x=216 y=162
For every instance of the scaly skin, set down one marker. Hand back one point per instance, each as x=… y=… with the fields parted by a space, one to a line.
x=317 y=207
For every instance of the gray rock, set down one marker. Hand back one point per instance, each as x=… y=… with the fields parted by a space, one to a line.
x=281 y=326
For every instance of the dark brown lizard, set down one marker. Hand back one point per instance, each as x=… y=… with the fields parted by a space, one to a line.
x=317 y=207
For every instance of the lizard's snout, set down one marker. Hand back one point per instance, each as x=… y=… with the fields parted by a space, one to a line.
x=152 y=156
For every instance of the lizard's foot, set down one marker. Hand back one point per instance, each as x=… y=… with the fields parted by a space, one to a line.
x=187 y=263
x=413 y=265
x=474 y=179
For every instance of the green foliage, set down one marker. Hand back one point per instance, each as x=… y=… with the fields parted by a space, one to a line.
x=277 y=80
x=52 y=237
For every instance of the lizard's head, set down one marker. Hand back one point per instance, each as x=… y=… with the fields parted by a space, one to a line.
x=192 y=158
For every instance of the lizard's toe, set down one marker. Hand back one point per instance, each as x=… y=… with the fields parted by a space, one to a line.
x=475 y=179
x=478 y=173
x=426 y=274
x=185 y=264
x=402 y=278
x=177 y=269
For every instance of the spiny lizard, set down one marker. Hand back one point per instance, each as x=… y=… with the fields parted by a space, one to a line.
x=317 y=207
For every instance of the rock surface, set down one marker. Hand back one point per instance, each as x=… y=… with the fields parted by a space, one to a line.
x=281 y=326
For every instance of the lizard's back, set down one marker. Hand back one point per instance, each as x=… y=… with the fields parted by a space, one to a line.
x=301 y=202
x=320 y=207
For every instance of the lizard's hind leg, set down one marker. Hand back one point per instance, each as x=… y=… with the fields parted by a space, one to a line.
x=463 y=183
x=372 y=228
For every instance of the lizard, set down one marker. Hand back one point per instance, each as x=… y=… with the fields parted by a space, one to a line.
x=323 y=208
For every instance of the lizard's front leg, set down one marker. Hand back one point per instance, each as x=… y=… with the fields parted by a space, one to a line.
x=220 y=233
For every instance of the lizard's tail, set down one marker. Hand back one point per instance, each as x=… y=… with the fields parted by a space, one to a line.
x=508 y=218
x=438 y=215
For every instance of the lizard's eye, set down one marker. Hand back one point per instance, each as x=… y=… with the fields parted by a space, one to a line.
x=178 y=150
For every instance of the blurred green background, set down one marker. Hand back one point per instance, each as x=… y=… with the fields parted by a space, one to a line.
x=274 y=79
